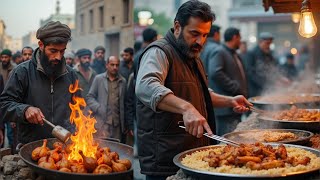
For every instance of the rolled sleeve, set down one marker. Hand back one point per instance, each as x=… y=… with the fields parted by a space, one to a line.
x=153 y=70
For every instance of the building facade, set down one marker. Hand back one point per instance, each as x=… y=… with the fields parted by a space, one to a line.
x=104 y=22
x=2 y=34
x=30 y=39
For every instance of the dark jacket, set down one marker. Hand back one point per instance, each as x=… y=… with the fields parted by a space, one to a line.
x=225 y=76
x=261 y=71
x=1 y=89
x=124 y=70
x=289 y=71
x=99 y=66
x=131 y=102
x=208 y=52
x=28 y=86
x=159 y=137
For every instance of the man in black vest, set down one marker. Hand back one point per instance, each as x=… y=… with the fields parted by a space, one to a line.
x=171 y=87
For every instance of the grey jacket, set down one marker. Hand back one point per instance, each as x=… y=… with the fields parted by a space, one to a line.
x=225 y=76
x=208 y=53
x=97 y=99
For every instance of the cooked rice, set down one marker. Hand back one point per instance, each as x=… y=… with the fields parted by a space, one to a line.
x=194 y=161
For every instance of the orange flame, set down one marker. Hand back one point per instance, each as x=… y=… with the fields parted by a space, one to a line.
x=83 y=137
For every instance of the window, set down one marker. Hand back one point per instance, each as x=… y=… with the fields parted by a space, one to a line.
x=126 y=10
x=91 y=19
x=81 y=23
x=101 y=16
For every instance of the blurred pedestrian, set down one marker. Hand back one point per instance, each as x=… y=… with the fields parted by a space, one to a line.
x=227 y=77
x=26 y=53
x=69 y=56
x=98 y=64
x=106 y=99
x=289 y=69
x=84 y=72
x=213 y=41
x=126 y=64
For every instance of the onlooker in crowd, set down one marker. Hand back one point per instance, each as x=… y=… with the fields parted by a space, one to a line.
x=106 y=99
x=84 y=72
x=99 y=65
x=69 y=56
x=6 y=65
x=227 y=77
x=213 y=41
x=126 y=64
x=17 y=58
x=137 y=46
x=304 y=58
x=171 y=87
x=261 y=67
x=288 y=69
x=38 y=88
x=243 y=53
x=26 y=53
x=2 y=126
x=149 y=35
x=5 y=69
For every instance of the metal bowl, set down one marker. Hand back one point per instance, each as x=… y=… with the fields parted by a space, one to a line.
x=208 y=175
x=303 y=136
x=123 y=150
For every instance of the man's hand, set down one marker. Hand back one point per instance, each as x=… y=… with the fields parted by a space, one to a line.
x=195 y=122
x=34 y=115
x=240 y=104
x=1 y=137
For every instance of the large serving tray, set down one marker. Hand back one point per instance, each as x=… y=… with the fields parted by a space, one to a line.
x=238 y=136
x=207 y=175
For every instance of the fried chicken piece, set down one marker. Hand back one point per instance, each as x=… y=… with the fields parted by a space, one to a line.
x=281 y=152
x=254 y=166
x=272 y=164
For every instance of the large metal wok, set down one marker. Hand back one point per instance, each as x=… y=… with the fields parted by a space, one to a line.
x=265 y=102
x=313 y=126
x=207 y=175
x=123 y=150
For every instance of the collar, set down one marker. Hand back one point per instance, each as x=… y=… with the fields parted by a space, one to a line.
x=232 y=51
x=118 y=77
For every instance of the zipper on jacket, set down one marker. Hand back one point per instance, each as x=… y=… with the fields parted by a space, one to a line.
x=52 y=91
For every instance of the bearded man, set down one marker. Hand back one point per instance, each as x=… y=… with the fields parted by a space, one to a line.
x=84 y=72
x=38 y=88
x=6 y=65
x=171 y=87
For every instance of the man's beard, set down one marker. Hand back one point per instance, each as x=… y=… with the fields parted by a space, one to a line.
x=192 y=51
x=49 y=67
x=85 y=65
x=5 y=64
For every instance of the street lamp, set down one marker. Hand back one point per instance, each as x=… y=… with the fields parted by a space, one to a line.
x=145 y=18
x=307 y=27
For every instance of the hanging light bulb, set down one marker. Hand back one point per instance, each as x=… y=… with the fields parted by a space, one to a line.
x=307 y=27
x=295 y=17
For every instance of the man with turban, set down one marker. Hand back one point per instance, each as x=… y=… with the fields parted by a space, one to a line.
x=39 y=88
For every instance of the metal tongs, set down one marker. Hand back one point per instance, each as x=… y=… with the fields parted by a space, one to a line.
x=218 y=138
x=256 y=110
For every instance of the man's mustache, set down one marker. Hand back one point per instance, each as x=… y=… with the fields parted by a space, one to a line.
x=196 y=46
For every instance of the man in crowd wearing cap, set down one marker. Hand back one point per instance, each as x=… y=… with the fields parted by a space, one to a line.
x=106 y=99
x=84 y=72
x=69 y=56
x=17 y=58
x=6 y=64
x=99 y=64
x=213 y=41
x=39 y=88
x=288 y=69
x=26 y=53
x=126 y=65
x=227 y=77
x=262 y=71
